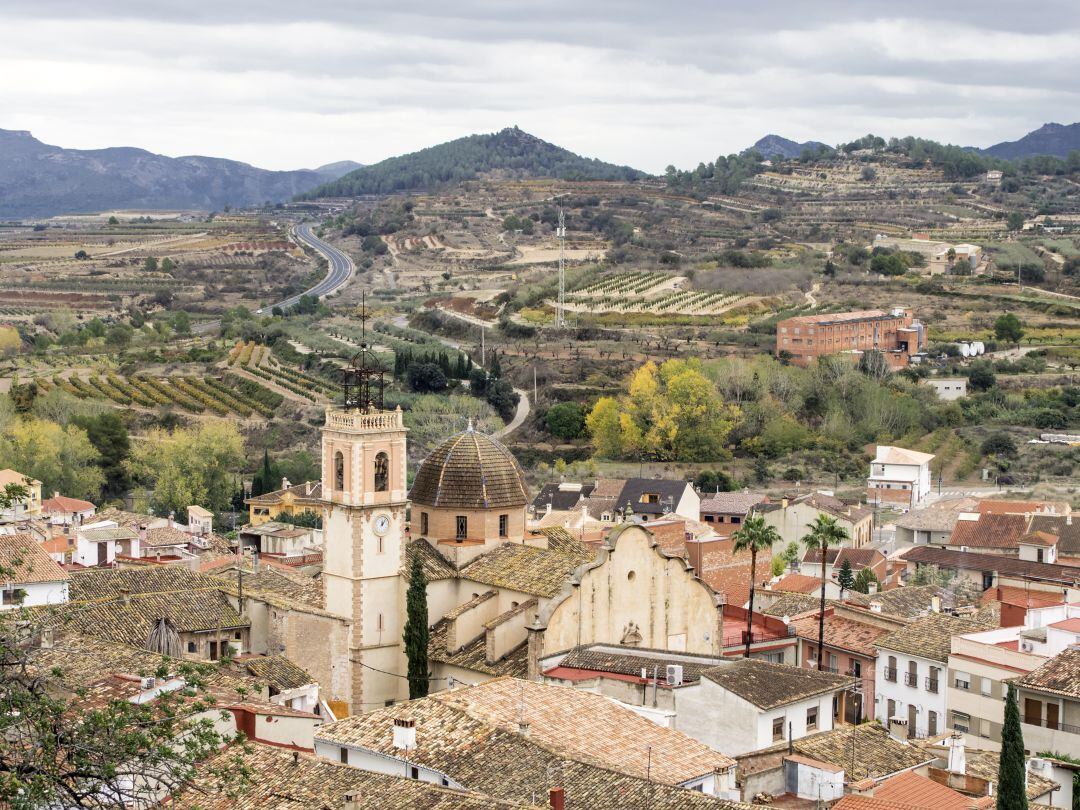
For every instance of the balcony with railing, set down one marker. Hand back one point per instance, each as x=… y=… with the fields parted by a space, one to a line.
x=1053 y=725
x=932 y=685
x=911 y=679
x=890 y=674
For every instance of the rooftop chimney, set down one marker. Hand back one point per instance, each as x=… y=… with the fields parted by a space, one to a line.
x=957 y=756
x=285 y=483
x=557 y=798
x=523 y=729
x=404 y=734
x=125 y=595
x=935 y=604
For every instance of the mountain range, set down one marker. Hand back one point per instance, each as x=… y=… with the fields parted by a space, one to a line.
x=1049 y=139
x=507 y=153
x=776 y=146
x=37 y=179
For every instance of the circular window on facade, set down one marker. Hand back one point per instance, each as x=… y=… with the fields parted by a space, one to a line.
x=630 y=576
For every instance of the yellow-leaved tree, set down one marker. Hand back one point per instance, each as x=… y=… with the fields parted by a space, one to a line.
x=671 y=412
x=189 y=466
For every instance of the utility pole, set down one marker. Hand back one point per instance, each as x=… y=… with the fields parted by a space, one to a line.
x=560 y=312
x=483 y=351
x=534 y=383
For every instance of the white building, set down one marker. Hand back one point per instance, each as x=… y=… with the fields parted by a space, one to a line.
x=948 y=388
x=898 y=477
x=752 y=704
x=910 y=677
x=101 y=542
x=60 y=510
x=35 y=578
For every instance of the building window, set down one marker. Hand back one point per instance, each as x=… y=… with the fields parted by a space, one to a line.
x=811 y=718
x=911 y=677
x=962 y=680
x=382 y=472
x=414 y=772
x=890 y=670
x=191 y=646
x=778 y=729
x=339 y=471
x=379 y=539
x=462 y=527
x=736 y=519
x=932 y=681
x=380 y=622
x=931 y=723
x=503 y=521
x=343 y=754
x=423 y=523
x=891 y=710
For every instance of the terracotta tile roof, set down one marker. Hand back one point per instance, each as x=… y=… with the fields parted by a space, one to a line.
x=985 y=765
x=842 y=633
x=853 y=514
x=1067 y=529
x=278 y=671
x=470 y=471
x=503 y=763
x=309 y=491
x=790 y=604
x=62 y=503
x=1022 y=597
x=909 y=791
x=602 y=658
x=10 y=476
x=863 y=751
x=165 y=536
x=473 y=656
x=130 y=622
x=731 y=503
x=798 y=583
x=813 y=556
x=1004 y=565
x=561 y=497
x=282 y=780
x=859 y=557
x=906 y=602
x=1058 y=676
x=28 y=562
x=280 y=582
x=434 y=564
x=122 y=518
x=930 y=636
x=995 y=507
x=889 y=454
x=535 y=571
x=108 y=533
x=105 y=583
x=563 y=721
x=768 y=685
x=936 y=518
x=989 y=531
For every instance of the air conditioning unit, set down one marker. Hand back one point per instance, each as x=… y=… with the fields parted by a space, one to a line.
x=1027 y=646
x=674 y=674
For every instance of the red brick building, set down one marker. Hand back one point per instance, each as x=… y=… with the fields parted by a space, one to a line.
x=896 y=334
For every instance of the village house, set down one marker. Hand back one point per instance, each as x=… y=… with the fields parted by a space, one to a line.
x=899 y=478
x=509 y=738
x=725 y=512
x=791 y=516
x=910 y=677
x=292 y=545
x=1049 y=700
x=291 y=499
x=984 y=571
x=21 y=509
x=31 y=577
x=982 y=663
x=896 y=334
x=850 y=636
x=65 y=512
x=857 y=558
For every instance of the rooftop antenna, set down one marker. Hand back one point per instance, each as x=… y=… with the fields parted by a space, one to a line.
x=560 y=313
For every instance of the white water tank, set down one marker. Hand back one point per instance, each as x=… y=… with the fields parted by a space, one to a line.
x=965 y=350
x=980 y=347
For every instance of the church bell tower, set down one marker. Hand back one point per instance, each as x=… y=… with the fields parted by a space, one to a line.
x=364 y=500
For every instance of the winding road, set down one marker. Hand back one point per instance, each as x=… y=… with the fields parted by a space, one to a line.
x=341 y=270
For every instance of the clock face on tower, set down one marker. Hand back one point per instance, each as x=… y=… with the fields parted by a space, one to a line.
x=381 y=524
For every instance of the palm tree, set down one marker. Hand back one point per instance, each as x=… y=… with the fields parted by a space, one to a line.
x=754 y=536
x=824 y=532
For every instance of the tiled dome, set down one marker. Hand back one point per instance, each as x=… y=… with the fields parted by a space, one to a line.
x=470 y=471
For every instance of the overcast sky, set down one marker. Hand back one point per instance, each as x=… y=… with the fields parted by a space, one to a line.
x=647 y=83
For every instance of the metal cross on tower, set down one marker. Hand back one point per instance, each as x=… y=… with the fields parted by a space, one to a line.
x=560 y=312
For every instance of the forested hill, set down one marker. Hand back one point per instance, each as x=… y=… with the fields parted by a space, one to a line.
x=509 y=153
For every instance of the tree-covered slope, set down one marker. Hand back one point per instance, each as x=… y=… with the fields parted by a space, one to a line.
x=509 y=153
x=1049 y=139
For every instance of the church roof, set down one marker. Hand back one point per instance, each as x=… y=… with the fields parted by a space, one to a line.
x=470 y=471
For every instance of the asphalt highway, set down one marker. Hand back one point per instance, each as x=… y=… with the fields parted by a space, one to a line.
x=341 y=270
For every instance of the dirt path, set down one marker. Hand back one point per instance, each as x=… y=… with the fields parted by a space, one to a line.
x=811 y=301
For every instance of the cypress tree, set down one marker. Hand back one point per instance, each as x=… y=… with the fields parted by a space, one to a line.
x=416 y=631
x=1012 y=790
